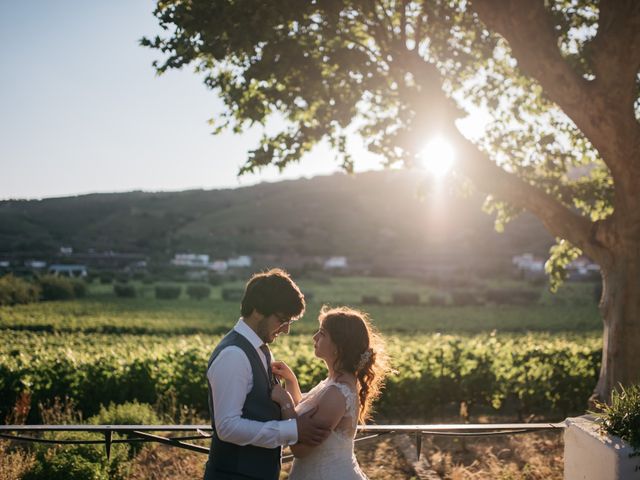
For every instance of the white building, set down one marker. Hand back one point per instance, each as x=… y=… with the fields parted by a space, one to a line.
x=68 y=270
x=243 y=261
x=335 y=263
x=528 y=262
x=37 y=264
x=190 y=260
x=219 y=266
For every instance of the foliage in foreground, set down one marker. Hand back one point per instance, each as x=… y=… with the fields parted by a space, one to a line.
x=622 y=416
x=71 y=462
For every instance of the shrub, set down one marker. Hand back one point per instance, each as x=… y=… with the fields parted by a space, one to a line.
x=124 y=290
x=79 y=462
x=215 y=280
x=198 y=291
x=512 y=296
x=463 y=298
x=436 y=300
x=405 y=298
x=622 y=417
x=106 y=278
x=56 y=288
x=14 y=290
x=232 y=294
x=79 y=288
x=370 y=300
x=168 y=292
x=129 y=413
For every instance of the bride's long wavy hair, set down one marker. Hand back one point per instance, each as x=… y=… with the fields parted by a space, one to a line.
x=360 y=351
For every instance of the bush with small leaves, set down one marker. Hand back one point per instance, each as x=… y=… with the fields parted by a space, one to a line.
x=232 y=294
x=198 y=291
x=15 y=290
x=622 y=416
x=79 y=288
x=78 y=462
x=370 y=300
x=123 y=290
x=56 y=288
x=168 y=292
x=512 y=296
x=129 y=413
x=437 y=300
x=405 y=298
x=106 y=278
x=463 y=298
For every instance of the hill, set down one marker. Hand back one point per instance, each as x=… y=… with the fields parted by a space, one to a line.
x=364 y=216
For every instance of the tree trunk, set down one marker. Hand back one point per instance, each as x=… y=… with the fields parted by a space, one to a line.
x=620 y=308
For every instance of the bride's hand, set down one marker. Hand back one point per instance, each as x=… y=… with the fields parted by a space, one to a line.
x=283 y=370
x=281 y=396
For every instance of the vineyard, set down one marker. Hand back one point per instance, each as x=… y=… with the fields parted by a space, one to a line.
x=102 y=350
x=531 y=373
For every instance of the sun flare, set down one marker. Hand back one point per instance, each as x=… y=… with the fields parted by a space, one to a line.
x=438 y=157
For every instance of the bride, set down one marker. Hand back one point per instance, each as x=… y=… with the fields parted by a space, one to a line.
x=357 y=364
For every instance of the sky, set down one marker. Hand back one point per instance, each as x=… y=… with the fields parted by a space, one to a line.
x=82 y=109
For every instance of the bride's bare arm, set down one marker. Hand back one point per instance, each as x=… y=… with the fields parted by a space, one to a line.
x=331 y=408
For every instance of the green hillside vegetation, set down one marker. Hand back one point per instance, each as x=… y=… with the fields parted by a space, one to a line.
x=366 y=216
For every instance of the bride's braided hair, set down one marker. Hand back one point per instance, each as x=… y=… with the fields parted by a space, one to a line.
x=360 y=351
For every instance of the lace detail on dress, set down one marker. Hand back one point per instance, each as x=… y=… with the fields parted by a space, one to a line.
x=334 y=458
x=347 y=425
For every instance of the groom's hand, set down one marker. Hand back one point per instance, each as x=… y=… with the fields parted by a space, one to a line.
x=310 y=431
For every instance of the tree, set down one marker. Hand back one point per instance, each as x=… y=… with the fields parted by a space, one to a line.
x=558 y=78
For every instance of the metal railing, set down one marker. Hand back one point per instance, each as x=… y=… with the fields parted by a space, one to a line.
x=140 y=433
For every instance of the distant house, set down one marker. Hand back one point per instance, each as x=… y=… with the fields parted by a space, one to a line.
x=243 y=261
x=334 y=263
x=79 y=271
x=35 y=264
x=191 y=260
x=583 y=269
x=529 y=266
x=219 y=266
x=66 y=250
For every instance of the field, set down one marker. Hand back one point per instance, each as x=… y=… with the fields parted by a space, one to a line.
x=511 y=361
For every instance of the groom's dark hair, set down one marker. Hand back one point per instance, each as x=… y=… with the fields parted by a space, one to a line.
x=272 y=292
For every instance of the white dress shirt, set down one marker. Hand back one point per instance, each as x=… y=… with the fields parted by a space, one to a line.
x=231 y=379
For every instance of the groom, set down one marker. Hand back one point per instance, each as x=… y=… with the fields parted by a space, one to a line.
x=247 y=428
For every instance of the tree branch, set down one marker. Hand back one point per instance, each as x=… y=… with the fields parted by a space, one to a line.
x=528 y=28
x=559 y=220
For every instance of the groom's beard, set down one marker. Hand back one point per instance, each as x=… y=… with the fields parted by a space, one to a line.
x=262 y=330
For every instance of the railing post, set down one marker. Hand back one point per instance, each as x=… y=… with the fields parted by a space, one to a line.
x=107 y=442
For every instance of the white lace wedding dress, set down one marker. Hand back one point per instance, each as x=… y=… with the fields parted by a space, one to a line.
x=333 y=459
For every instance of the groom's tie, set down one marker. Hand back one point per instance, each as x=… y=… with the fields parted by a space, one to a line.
x=267 y=353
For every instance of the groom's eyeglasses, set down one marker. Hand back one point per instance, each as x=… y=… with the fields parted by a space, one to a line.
x=284 y=320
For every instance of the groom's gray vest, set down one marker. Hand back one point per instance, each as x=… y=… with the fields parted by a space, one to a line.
x=235 y=461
